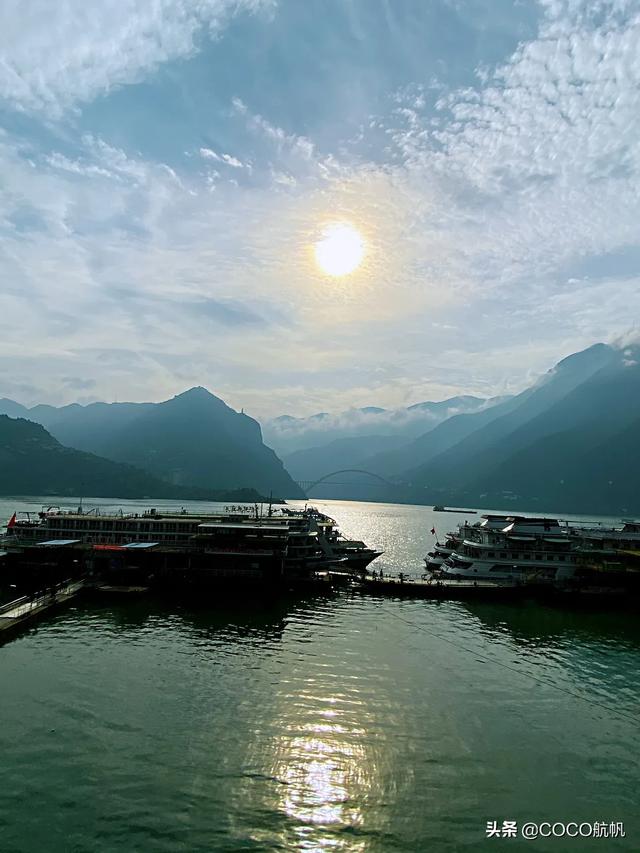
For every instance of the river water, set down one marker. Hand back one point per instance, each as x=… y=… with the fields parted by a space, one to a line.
x=344 y=723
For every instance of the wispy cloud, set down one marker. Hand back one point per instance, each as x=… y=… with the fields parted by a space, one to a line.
x=228 y=159
x=55 y=56
x=293 y=143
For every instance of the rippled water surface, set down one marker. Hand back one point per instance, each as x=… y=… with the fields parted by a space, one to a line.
x=329 y=723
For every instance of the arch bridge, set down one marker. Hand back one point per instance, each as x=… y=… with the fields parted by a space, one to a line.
x=307 y=485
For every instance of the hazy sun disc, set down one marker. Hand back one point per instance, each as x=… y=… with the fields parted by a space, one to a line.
x=340 y=249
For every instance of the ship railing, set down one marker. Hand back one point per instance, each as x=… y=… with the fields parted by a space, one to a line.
x=35 y=600
x=10 y=605
x=213 y=549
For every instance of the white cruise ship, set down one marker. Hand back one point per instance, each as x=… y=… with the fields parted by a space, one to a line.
x=439 y=552
x=507 y=548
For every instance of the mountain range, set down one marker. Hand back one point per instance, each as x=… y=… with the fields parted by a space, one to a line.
x=568 y=443
x=571 y=442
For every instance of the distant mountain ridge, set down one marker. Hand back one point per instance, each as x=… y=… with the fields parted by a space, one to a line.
x=571 y=441
x=568 y=443
x=32 y=462
x=463 y=434
x=191 y=440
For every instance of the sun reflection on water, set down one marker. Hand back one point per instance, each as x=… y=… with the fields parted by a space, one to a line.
x=327 y=766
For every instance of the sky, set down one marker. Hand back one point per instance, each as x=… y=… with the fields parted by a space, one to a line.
x=166 y=169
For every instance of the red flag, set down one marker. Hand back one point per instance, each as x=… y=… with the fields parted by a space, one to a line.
x=433 y=531
x=12 y=521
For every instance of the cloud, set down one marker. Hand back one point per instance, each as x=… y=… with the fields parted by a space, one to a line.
x=55 y=57
x=413 y=420
x=628 y=341
x=77 y=383
x=293 y=143
x=542 y=160
x=209 y=154
x=499 y=216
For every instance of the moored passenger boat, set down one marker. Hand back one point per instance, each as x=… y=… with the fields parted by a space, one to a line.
x=439 y=552
x=511 y=548
x=195 y=547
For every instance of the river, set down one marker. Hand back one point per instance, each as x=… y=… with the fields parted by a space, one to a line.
x=335 y=723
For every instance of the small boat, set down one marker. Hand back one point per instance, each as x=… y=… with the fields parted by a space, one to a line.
x=112 y=589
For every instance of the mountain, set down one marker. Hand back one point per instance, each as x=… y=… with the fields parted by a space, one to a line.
x=565 y=443
x=32 y=462
x=315 y=446
x=13 y=409
x=192 y=440
x=396 y=460
x=483 y=445
x=583 y=452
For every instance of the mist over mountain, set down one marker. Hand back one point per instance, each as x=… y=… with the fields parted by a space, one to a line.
x=314 y=446
x=288 y=434
x=192 y=440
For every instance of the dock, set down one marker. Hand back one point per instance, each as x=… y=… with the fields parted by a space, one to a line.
x=458 y=589
x=15 y=613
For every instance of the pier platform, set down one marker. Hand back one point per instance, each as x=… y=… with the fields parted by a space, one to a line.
x=458 y=589
x=17 y=612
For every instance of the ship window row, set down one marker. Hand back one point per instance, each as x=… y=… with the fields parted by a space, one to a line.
x=504 y=555
x=98 y=524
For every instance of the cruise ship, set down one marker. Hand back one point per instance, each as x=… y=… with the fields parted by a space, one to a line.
x=441 y=552
x=609 y=549
x=512 y=548
x=240 y=543
x=506 y=548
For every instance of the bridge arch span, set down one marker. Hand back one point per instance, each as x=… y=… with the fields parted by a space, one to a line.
x=308 y=486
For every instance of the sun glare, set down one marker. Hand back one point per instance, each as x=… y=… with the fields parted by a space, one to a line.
x=340 y=249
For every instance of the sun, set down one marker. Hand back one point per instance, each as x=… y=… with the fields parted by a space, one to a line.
x=340 y=249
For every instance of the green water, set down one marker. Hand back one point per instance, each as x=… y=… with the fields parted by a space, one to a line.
x=344 y=723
